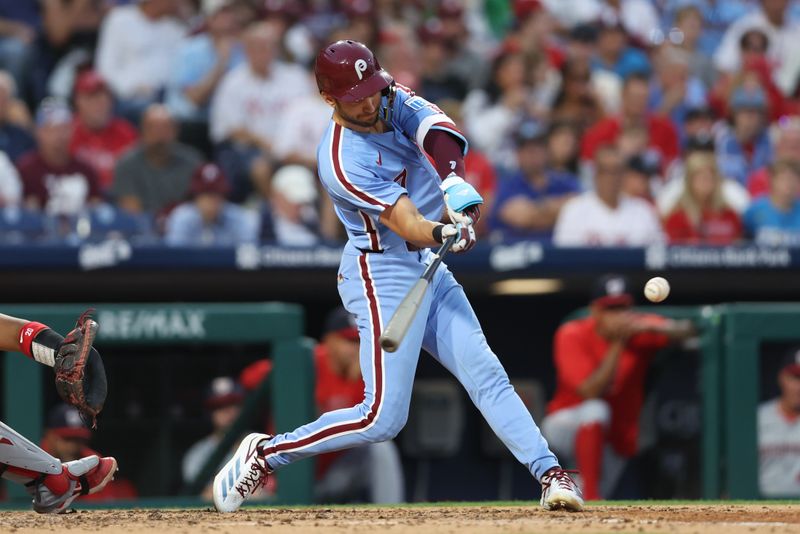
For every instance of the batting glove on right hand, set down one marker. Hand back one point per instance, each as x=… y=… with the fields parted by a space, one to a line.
x=462 y=200
x=465 y=239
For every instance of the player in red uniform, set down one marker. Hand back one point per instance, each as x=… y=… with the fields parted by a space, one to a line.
x=601 y=363
x=52 y=484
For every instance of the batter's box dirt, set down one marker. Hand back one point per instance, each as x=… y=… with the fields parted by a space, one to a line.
x=456 y=519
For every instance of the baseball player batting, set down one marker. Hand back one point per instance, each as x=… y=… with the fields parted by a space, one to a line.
x=81 y=381
x=374 y=163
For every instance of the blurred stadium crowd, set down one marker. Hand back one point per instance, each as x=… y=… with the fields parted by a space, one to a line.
x=591 y=122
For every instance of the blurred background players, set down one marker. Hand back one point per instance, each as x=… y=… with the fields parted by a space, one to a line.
x=67 y=438
x=779 y=434
x=223 y=402
x=371 y=473
x=601 y=363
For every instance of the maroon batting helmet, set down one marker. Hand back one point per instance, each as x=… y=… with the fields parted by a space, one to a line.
x=349 y=71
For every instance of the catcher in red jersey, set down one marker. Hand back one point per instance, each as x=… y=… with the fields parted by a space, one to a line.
x=81 y=381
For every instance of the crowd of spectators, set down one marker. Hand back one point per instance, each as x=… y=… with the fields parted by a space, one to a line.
x=591 y=122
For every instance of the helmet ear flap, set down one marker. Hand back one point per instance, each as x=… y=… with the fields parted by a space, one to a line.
x=387 y=102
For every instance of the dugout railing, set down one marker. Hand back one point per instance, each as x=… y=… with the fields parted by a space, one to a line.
x=279 y=327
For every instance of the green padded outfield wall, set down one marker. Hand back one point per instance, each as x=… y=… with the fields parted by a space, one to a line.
x=277 y=324
x=746 y=327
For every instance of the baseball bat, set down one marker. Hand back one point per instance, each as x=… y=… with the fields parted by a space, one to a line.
x=398 y=325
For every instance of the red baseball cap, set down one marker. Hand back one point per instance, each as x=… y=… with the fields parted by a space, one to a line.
x=222 y=392
x=453 y=9
x=348 y=71
x=342 y=323
x=90 y=81
x=525 y=8
x=612 y=291
x=209 y=178
x=791 y=363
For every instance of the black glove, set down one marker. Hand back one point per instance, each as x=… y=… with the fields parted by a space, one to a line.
x=80 y=374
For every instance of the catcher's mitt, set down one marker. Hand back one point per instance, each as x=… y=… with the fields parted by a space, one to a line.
x=80 y=375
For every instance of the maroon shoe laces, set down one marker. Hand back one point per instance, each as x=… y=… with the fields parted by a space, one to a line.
x=257 y=477
x=560 y=477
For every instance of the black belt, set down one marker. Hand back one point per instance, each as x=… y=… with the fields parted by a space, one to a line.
x=409 y=246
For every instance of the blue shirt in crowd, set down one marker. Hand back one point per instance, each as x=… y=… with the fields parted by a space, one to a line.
x=769 y=226
x=25 y=12
x=717 y=16
x=235 y=225
x=631 y=61
x=732 y=158
x=15 y=141
x=695 y=97
x=516 y=185
x=195 y=59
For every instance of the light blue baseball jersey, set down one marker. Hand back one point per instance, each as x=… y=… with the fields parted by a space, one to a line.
x=365 y=173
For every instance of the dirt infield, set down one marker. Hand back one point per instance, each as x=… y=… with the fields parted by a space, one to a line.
x=676 y=519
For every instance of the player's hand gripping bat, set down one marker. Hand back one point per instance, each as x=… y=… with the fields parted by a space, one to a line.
x=398 y=325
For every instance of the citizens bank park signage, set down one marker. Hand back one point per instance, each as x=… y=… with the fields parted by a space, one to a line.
x=533 y=257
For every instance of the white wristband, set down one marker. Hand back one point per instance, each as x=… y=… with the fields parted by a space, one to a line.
x=451 y=180
x=42 y=354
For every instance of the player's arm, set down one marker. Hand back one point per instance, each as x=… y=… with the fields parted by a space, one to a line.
x=674 y=329
x=35 y=340
x=9 y=332
x=80 y=373
x=437 y=135
x=600 y=380
x=405 y=220
x=526 y=214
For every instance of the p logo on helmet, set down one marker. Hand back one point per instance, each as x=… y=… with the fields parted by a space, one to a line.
x=360 y=67
x=349 y=71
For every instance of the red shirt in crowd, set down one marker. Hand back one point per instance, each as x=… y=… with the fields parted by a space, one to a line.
x=715 y=228
x=102 y=148
x=661 y=133
x=758 y=183
x=60 y=191
x=480 y=173
x=579 y=351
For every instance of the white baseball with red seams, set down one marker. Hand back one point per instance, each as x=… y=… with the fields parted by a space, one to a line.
x=656 y=289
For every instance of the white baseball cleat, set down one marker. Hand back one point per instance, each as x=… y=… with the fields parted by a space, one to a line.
x=559 y=491
x=243 y=475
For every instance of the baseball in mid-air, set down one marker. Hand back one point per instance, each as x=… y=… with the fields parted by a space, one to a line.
x=656 y=289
